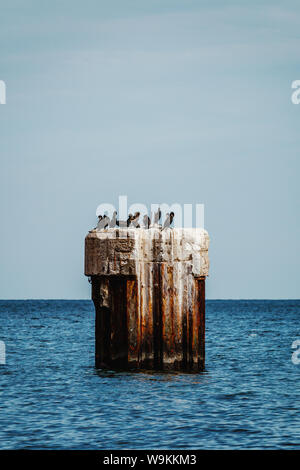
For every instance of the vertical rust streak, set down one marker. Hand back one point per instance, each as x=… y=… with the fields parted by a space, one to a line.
x=132 y=322
x=114 y=297
x=168 y=315
x=119 y=342
x=142 y=316
x=201 y=334
x=164 y=315
x=157 y=319
x=103 y=332
x=161 y=343
x=177 y=301
x=184 y=304
x=98 y=326
x=190 y=323
x=196 y=322
x=123 y=323
x=148 y=317
x=171 y=310
x=147 y=340
x=102 y=326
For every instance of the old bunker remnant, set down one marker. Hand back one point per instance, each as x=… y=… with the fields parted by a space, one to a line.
x=148 y=288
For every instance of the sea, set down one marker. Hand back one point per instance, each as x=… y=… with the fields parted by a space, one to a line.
x=53 y=397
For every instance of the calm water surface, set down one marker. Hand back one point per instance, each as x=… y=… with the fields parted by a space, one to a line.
x=52 y=397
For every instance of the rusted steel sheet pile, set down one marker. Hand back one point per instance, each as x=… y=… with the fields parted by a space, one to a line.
x=148 y=288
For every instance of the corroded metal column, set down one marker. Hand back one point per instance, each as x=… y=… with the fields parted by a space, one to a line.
x=148 y=288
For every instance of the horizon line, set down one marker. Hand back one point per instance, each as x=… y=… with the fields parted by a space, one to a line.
x=73 y=299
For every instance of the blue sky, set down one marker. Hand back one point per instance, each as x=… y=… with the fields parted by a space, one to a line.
x=165 y=101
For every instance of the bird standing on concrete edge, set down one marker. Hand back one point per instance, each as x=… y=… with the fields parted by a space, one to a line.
x=157 y=216
x=146 y=221
x=169 y=220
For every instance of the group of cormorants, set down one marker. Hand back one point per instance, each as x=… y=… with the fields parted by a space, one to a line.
x=133 y=221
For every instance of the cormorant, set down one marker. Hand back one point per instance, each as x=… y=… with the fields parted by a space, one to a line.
x=100 y=223
x=113 y=221
x=130 y=217
x=146 y=221
x=157 y=216
x=172 y=215
x=104 y=222
x=135 y=220
x=169 y=220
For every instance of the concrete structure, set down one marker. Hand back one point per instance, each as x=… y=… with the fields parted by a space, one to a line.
x=148 y=288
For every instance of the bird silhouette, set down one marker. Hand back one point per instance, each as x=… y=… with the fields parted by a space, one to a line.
x=172 y=215
x=113 y=221
x=157 y=216
x=130 y=217
x=135 y=220
x=169 y=220
x=104 y=222
x=99 y=220
x=146 y=221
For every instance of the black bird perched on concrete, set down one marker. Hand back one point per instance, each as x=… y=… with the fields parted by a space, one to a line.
x=157 y=216
x=130 y=217
x=99 y=220
x=146 y=221
x=172 y=215
x=135 y=220
x=113 y=221
x=169 y=220
x=103 y=222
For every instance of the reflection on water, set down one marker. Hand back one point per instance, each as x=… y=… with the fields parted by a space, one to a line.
x=53 y=397
x=146 y=375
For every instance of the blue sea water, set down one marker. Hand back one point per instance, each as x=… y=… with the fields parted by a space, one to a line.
x=52 y=397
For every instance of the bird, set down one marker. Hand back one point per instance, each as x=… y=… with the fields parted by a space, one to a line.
x=113 y=221
x=98 y=227
x=169 y=220
x=107 y=220
x=146 y=221
x=157 y=216
x=130 y=217
x=104 y=222
x=135 y=220
x=172 y=215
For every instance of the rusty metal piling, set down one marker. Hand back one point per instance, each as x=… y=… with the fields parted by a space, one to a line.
x=148 y=288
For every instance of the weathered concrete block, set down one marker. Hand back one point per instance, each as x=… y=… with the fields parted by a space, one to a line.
x=148 y=287
x=141 y=245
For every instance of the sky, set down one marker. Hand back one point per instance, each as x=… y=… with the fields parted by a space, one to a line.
x=163 y=101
